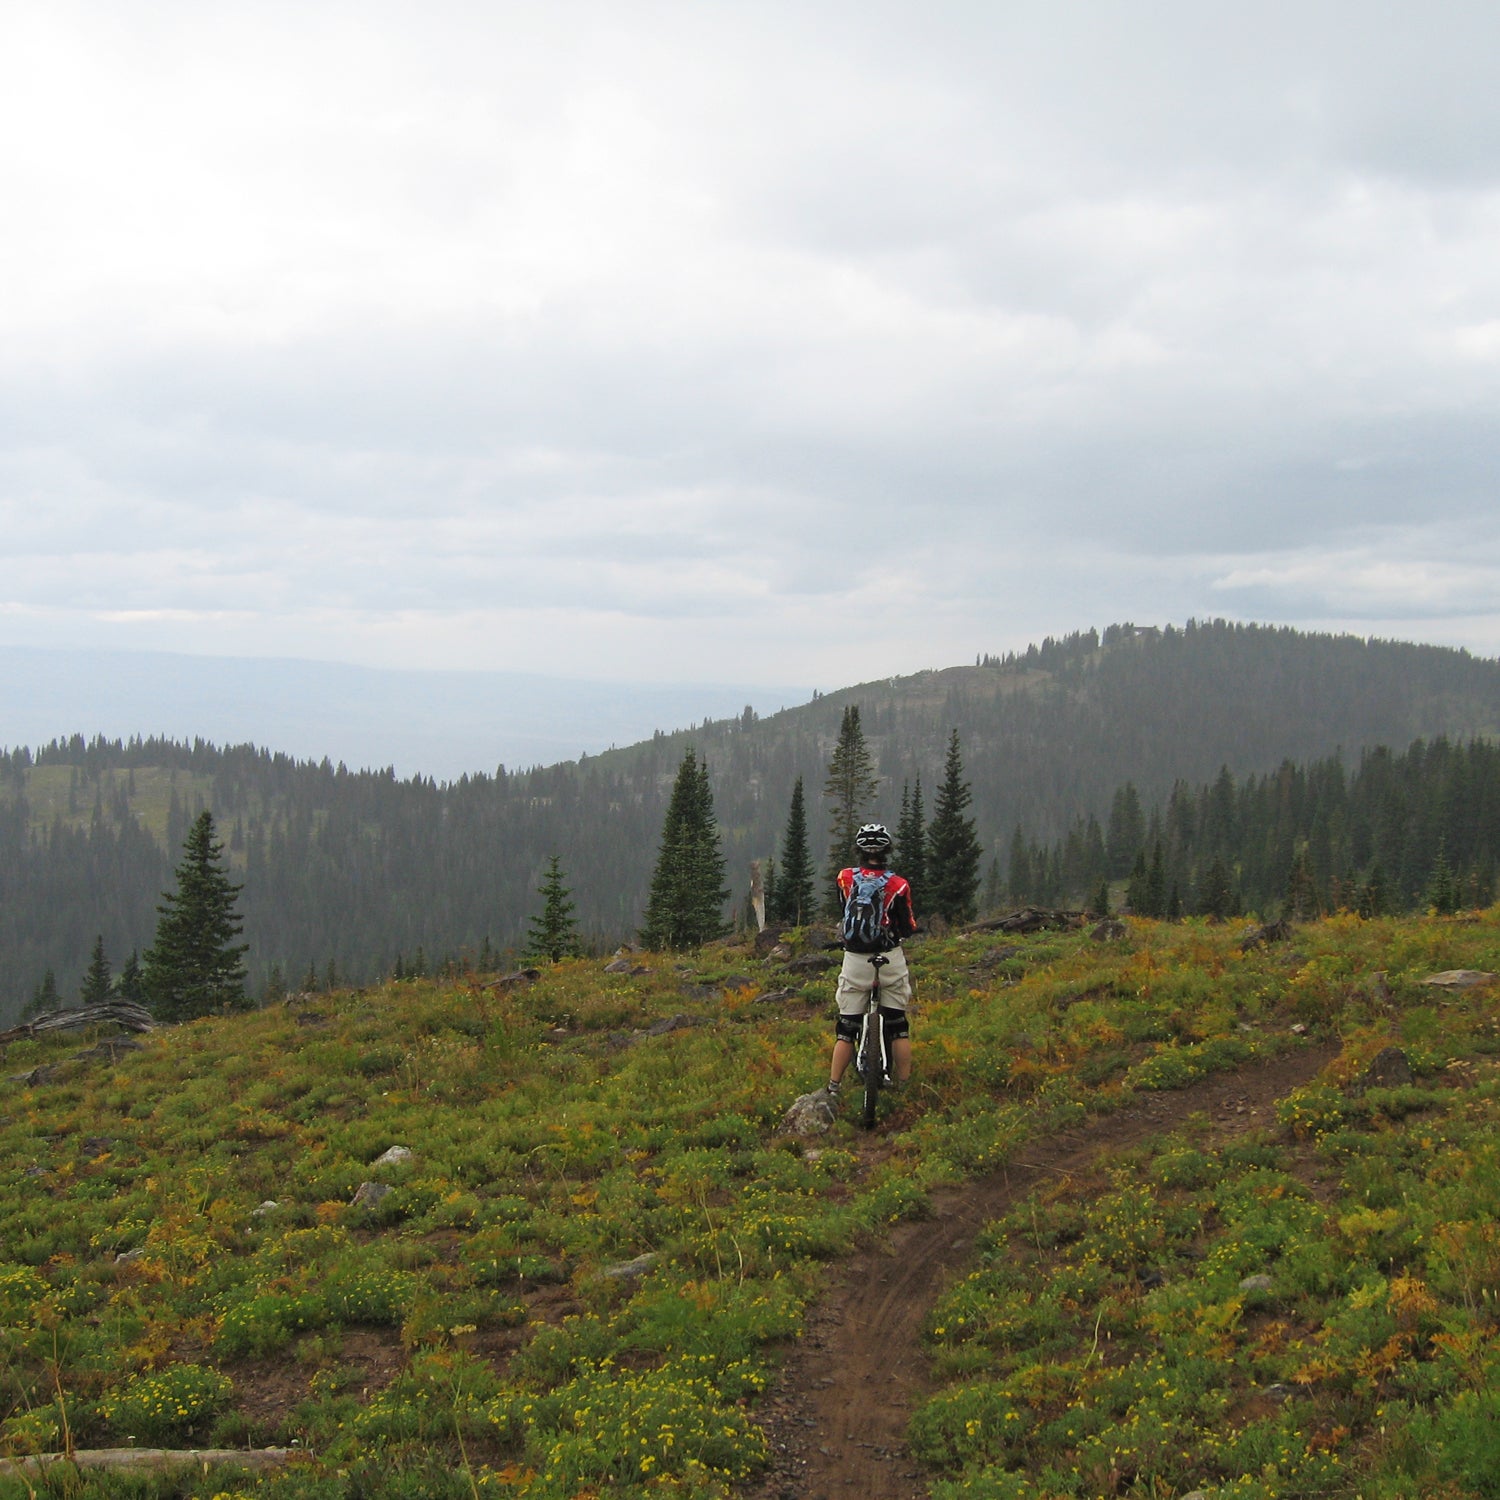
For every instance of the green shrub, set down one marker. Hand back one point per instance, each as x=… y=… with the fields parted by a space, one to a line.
x=167 y=1406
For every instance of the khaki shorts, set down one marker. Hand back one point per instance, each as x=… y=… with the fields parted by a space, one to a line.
x=857 y=975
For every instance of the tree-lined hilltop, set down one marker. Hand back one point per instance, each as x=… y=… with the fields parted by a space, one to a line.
x=355 y=874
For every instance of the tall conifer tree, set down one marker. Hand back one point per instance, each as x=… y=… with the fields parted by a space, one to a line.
x=953 y=847
x=686 y=906
x=910 y=857
x=194 y=966
x=96 y=982
x=794 y=897
x=131 y=984
x=850 y=787
x=1127 y=830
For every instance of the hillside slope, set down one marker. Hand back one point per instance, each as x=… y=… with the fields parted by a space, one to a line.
x=602 y=1247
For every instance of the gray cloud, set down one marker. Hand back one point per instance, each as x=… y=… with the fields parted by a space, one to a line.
x=674 y=336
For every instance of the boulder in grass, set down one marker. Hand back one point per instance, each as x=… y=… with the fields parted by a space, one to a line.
x=370 y=1195
x=516 y=980
x=394 y=1157
x=777 y=997
x=629 y=1270
x=811 y=1114
x=1459 y=979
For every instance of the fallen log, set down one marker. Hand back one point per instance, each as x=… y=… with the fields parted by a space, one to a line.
x=153 y=1460
x=121 y=1012
x=1029 y=919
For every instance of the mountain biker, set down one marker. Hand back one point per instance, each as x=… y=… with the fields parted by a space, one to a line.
x=856 y=977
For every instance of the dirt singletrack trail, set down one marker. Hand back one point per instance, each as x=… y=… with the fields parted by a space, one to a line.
x=837 y=1414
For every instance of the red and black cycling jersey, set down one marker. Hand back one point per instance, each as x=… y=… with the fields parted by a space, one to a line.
x=900 y=917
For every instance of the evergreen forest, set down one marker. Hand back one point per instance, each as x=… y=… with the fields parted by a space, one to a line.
x=352 y=875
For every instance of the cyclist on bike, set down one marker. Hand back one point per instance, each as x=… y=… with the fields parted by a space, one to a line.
x=857 y=976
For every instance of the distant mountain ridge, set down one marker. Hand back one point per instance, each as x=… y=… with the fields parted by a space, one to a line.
x=356 y=868
x=437 y=724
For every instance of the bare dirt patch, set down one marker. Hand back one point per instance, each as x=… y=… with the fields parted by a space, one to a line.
x=838 y=1413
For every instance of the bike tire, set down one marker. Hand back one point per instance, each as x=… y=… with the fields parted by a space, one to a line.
x=872 y=1079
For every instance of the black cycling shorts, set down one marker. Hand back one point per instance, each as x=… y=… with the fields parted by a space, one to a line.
x=897 y=1025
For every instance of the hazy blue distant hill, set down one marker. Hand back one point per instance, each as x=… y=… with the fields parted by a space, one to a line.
x=437 y=724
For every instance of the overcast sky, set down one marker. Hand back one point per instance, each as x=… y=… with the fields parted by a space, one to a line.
x=743 y=342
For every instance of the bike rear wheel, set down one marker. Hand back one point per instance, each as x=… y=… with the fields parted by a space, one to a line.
x=872 y=1080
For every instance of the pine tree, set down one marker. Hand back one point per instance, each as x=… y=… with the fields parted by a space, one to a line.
x=953 y=848
x=44 y=998
x=850 y=787
x=795 y=891
x=131 y=985
x=910 y=857
x=96 y=981
x=1156 y=883
x=686 y=905
x=1215 y=892
x=554 y=933
x=1127 y=830
x=994 y=885
x=1443 y=890
x=1301 y=899
x=194 y=967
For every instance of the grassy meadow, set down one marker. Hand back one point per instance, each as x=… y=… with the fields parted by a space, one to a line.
x=581 y=1280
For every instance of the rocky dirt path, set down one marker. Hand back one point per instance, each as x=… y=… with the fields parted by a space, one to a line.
x=837 y=1415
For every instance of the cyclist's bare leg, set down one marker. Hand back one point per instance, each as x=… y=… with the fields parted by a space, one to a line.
x=843 y=1055
x=901 y=1058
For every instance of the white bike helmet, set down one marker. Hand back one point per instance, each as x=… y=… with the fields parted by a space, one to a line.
x=873 y=838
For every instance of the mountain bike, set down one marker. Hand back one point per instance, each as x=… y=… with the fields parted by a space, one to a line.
x=872 y=1058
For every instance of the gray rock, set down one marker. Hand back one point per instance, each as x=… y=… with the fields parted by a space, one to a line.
x=125 y=1257
x=392 y=1158
x=673 y=1023
x=268 y=1207
x=628 y=1270
x=776 y=997
x=369 y=1194
x=811 y=1114
x=1459 y=979
x=1257 y=1284
x=519 y=979
x=814 y=963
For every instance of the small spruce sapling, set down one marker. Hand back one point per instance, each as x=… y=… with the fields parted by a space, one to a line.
x=554 y=934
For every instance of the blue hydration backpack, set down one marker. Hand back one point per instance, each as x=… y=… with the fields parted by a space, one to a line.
x=864 y=912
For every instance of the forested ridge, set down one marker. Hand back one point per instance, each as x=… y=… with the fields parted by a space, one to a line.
x=1396 y=831
x=355 y=870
